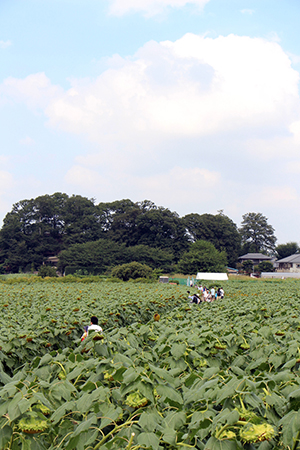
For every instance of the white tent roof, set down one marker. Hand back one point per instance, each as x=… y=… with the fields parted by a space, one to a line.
x=211 y=276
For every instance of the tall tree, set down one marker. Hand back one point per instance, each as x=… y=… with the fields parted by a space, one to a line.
x=256 y=234
x=161 y=228
x=202 y=257
x=82 y=221
x=42 y=227
x=288 y=249
x=218 y=229
x=144 y=223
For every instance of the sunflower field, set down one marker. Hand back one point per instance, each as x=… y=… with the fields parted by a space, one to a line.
x=164 y=374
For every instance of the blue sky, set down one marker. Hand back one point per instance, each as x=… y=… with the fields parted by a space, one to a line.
x=192 y=105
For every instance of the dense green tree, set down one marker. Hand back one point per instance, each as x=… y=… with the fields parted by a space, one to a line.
x=82 y=221
x=161 y=228
x=218 y=229
x=153 y=257
x=98 y=256
x=202 y=257
x=143 y=223
x=94 y=256
x=256 y=234
x=118 y=220
x=16 y=238
x=248 y=266
x=47 y=271
x=42 y=227
x=288 y=249
x=131 y=271
x=265 y=266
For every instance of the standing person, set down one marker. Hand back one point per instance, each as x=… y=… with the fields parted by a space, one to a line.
x=200 y=288
x=212 y=294
x=222 y=292
x=206 y=295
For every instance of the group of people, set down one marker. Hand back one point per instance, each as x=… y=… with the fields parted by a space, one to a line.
x=206 y=295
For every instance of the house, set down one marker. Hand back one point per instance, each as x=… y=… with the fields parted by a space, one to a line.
x=52 y=261
x=255 y=257
x=289 y=264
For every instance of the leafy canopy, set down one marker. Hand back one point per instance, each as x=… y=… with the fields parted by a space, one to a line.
x=218 y=229
x=131 y=271
x=256 y=234
x=202 y=257
x=288 y=249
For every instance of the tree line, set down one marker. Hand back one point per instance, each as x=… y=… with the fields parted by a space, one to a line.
x=99 y=236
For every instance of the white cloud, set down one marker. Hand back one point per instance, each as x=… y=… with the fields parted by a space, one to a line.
x=195 y=86
x=150 y=7
x=295 y=130
x=232 y=88
x=293 y=167
x=6 y=185
x=28 y=141
x=6 y=181
x=84 y=177
x=5 y=44
x=294 y=58
x=275 y=196
x=184 y=184
x=35 y=90
x=273 y=37
x=3 y=159
x=247 y=11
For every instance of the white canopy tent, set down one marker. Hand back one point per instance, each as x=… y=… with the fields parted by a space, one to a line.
x=212 y=276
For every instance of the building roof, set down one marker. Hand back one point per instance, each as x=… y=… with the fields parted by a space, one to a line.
x=291 y=259
x=255 y=256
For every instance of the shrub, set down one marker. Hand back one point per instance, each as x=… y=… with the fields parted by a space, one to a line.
x=132 y=271
x=265 y=266
x=47 y=271
x=248 y=266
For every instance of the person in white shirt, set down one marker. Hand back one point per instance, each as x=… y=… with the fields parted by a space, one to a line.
x=206 y=295
x=93 y=327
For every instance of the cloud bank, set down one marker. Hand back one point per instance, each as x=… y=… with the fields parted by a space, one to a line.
x=194 y=116
x=196 y=86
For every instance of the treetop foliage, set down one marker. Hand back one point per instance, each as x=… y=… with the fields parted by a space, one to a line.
x=256 y=234
x=288 y=249
x=202 y=257
x=220 y=230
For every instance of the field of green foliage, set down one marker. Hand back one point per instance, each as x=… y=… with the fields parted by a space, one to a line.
x=164 y=374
